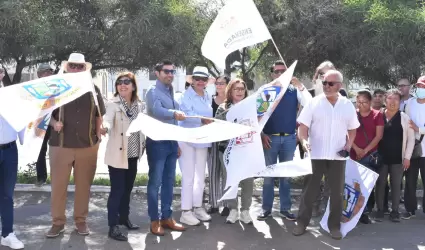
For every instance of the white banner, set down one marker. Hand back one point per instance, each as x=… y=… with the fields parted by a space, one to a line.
x=34 y=136
x=213 y=132
x=23 y=103
x=246 y=152
x=237 y=25
x=359 y=182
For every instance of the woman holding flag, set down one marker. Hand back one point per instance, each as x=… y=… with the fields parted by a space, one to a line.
x=122 y=152
x=236 y=91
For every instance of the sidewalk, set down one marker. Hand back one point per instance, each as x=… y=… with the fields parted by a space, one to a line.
x=33 y=220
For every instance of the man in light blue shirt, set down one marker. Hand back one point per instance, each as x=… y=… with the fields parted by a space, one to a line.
x=162 y=155
x=8 y=176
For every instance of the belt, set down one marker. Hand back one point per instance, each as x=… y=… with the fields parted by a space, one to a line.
x=7 y=145
x=282 y=134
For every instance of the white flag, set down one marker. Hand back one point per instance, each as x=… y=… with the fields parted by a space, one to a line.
x=359 y=182
x=23 y=103
x=244 y=157
x=237 y=25
x=213 y=132
x=34 y=136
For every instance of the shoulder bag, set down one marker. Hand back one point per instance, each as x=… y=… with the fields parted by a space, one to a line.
x=375 y=159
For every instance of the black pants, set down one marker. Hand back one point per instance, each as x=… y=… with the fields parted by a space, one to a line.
x=41 y=161
x=412 y=174
x=122 y=182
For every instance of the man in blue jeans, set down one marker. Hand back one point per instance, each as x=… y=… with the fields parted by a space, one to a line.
x=279 y=140
x=162 y=155
x=8 y=176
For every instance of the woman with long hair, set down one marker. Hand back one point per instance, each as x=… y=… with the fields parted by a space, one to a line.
x=236 y=91
x=122 y=152
x=215 y=172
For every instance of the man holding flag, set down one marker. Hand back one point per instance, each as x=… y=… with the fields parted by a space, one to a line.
x=279 y=140
x=73 y=145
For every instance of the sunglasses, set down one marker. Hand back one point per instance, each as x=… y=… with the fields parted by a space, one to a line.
x=76 y=66
x=239 y=89
x=200 y=78
x=279 y=71
x=123 y=81
x=331 y=84
x=169 y=71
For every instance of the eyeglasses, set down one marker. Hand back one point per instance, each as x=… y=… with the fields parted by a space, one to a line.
x=76 y=66
x=123 y=81
x=279 y=71
x=169 y=71
x=331 y=84
x=200 y=78
x=240 y=89
x=220 y=83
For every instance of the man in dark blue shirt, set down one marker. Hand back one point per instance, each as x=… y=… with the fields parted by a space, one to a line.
x=279 y=140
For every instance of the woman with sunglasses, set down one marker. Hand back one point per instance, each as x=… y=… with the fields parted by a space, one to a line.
x=122 y=152
x=195 y=102
x=216 y=181
x=236 y=91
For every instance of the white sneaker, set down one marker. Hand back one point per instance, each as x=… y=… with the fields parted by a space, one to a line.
x=189 y=218
x=233 y=216
x=201 y=214
x=12 y=242
x=246 y=217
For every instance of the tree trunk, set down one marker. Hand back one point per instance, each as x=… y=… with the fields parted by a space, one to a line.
x=20 y=65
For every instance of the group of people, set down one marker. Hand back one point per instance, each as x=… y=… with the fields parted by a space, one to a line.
x=327 y=126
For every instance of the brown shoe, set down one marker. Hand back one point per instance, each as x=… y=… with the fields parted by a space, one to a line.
x=172 y=225
x=82 y=228
x=55 y=231
x=156 y=228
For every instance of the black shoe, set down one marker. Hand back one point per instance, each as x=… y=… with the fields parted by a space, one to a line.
x=364 y=218
x=225 y=211
x=408 y=215
x=401 y=200
x=395 y=216
x=116 y=234
x=40 y=183
x=127 y=223
x=264 y=215
x=212 y=210
x=379 y=216
x=387 y=211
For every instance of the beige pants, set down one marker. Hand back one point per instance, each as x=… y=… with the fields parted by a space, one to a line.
x=62 y=160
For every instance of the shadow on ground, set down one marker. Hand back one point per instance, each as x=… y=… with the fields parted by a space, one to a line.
x=32 y=220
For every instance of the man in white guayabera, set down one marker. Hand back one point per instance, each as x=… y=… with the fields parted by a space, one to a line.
x=325 y=121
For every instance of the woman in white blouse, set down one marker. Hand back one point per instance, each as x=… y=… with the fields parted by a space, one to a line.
x=194 y=102
x=122 y=152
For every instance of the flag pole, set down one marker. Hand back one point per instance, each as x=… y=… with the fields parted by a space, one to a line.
x=281 y=58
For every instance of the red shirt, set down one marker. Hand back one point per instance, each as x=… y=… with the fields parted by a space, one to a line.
x=368 y=125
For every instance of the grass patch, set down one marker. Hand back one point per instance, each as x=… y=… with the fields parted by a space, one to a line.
x=29 y=176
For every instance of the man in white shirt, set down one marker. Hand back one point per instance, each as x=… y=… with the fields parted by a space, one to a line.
x=326 y=120
x=415 y=109
x=8 y=177
x=404 y=86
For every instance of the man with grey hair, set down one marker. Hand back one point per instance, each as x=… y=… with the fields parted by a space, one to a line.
x=324 y=123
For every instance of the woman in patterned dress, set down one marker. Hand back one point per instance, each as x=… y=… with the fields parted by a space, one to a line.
x=122 y=152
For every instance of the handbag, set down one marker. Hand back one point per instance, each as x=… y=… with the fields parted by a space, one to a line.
x=375 y=159
x=417 y=150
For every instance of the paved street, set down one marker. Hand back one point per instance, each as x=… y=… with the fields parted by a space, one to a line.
x=32 y=221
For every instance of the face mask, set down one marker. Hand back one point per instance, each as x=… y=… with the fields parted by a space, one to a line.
x=420 y=93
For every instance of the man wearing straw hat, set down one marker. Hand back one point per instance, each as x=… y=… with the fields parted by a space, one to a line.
x=74 y=142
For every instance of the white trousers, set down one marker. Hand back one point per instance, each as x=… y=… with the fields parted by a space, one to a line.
x=192 y=163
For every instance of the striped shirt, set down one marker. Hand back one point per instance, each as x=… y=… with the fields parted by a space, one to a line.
x=133 y=148
x=328 y=126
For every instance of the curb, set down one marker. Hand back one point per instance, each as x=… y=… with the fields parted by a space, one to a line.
x=143 y=189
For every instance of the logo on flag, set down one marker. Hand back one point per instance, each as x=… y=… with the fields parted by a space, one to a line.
x=47 y=89
x=267 y=97
x=353 y=201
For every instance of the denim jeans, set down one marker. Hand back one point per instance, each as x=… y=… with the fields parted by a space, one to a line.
x=162 y=159
x=122 y=182
x=284 y=148
x=8 y=175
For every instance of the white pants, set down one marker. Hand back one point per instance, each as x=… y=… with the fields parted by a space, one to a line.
x=192 y=164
